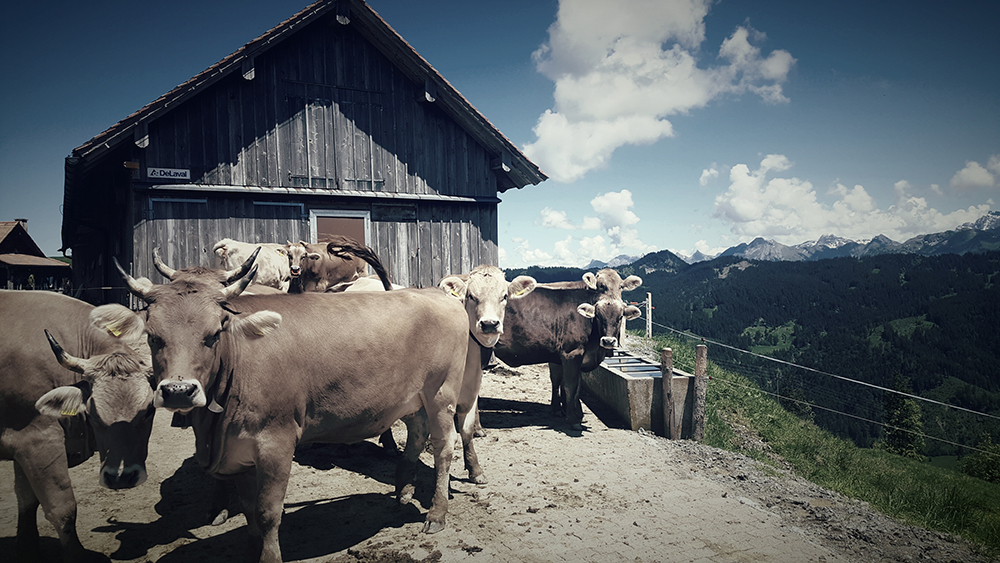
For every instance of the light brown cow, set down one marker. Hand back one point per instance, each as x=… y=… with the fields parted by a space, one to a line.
x=237 y=364
x=485 y=293
x=320 y=265
x=571 y=326
x=272 y=261
x=52 y=418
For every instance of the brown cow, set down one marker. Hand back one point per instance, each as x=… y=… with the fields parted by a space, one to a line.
x=485 y=293
x=260 y=374
x=52 y=419
x=318 y=266
x=569 y=325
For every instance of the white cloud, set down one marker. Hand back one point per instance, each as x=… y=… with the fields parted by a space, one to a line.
x=790 y=211
x=554 y=219
x=615 y=221
x=707 y=175
x=993 y=164
x=619 y=73
x=974 y=176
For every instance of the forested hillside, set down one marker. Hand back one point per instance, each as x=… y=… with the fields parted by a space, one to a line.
x=929 y=323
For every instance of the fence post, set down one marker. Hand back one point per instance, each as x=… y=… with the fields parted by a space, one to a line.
x=700 y=388
x=671 y=422
x=649 y=315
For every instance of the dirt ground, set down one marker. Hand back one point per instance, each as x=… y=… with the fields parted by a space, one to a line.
x=601 y=495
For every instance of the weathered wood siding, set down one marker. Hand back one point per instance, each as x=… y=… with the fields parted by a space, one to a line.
x=325 y=117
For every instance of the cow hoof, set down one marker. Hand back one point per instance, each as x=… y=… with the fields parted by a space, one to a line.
x=479 y=433
x=480 y=480
x=221 y=518
x=433 y=527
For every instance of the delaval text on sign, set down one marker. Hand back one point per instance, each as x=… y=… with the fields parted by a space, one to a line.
x=168 y=173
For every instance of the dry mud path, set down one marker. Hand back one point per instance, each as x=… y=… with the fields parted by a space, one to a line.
x=601 y=495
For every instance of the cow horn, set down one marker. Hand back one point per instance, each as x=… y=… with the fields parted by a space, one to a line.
x=165 y=271
x=240 y=284
x=137 y=289
x=237 y=273
x=65 y=360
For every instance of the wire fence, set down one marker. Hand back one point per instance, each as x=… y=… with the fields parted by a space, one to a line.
x=845 y=406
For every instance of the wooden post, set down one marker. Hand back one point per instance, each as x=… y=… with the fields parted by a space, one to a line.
x=700 y=388
x=671 y=422
x=649 y=315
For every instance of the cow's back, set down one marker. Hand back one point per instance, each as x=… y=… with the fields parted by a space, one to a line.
x=28 y=369
x=343 y=365
x=544 y=325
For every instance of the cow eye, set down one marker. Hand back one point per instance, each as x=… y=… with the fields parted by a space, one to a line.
x=154 y=341
x=211 y=339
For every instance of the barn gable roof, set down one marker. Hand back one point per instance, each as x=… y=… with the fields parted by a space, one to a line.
x=508 y=158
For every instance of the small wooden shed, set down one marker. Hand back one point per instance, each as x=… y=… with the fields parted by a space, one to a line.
x=329 y=123
x=24 y=266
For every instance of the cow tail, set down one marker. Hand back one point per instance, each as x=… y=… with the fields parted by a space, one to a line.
x=345 y=245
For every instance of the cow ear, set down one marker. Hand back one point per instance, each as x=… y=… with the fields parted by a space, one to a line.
x=61 y=401
x=455 y=287
x=314 y=255
x=521 y=286
x=587 y=310
x=632 y=312
x=118 y=321
x=590 y=279
x=255 y=325
x=280 y=251
x=631 y=283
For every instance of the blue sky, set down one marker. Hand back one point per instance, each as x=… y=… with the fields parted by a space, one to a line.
x=682 y=125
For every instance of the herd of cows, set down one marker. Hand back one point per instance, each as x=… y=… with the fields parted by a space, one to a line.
x=278 y=346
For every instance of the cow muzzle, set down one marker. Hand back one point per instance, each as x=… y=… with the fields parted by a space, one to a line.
x=122 y=476
x=609 y=342
x=296 y=270
x=179 y=396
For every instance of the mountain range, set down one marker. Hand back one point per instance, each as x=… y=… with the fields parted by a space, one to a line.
x=979 y=236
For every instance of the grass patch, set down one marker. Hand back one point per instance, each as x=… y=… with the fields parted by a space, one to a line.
x=920 y=493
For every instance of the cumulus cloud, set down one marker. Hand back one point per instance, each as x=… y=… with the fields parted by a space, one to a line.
x=619 y=73
x=789 y=209
x=975 y=177
x=707 y=175
x=616 y=234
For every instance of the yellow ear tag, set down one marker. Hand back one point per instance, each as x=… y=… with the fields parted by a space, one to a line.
x=113 y=329
x=68 y=413
x=520 y=293
x=455 y=293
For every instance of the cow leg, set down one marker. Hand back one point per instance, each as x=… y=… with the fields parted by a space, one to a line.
x=218 y=512
x=41 y=478
x=388 y=443
x=262 y=495
x=441 y=418
x=27 y=518
x=468 y=410
x=416 y=437
x=558 y=395
x=467 y=427
x=571 y=383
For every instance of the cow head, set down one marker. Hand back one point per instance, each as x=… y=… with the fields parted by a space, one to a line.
x=115 y=396
x=610 y=311
x=187 y=322
x=485 y=292
x=296 y=254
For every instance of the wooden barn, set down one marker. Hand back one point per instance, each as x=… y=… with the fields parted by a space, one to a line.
x=329 y=123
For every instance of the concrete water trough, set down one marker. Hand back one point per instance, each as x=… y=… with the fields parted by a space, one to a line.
x=633 y=388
